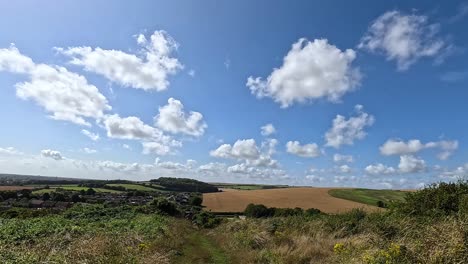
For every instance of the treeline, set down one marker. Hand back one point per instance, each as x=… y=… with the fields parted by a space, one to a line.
x=184 y=185
x=260 y=210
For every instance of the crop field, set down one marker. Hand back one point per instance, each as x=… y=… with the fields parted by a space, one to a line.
x=368 y=196
x=15 y=188
x=73 y=188
x=249 y=186
x=237 y=200
x=135 y=187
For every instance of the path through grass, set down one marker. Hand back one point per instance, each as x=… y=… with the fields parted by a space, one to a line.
x=198 y=248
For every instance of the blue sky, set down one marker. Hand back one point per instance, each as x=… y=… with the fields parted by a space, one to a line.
x=371 y=95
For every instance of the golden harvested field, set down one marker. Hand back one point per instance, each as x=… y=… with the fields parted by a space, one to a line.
x=236 y=200
x=15 y=188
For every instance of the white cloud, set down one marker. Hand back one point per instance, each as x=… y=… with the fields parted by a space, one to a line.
x=242 y=149
x=66 y=95
x=315 y=178
x=343 y=158
x=345 y=169
x=126 y=146
x=460 y=173
x=268 y=130
x=306 y=151
x=191 y=73
x=157 y=148
x=129 y=128
x=172 y=118
x=248 y=151
x=10 y=151
x=399 y=147
x=310 y=70
x=53 y=154
x=346 y=131
x=379 y=169
x=403 y=38
x=91 y=135
x=133 y=128
x=89 y=151
x=149 y=69
x=411 y=164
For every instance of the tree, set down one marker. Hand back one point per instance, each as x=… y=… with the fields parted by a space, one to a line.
x=90 y=191
x=165 y=206
x=196 y=201
x=76 y=198
x=46 y=196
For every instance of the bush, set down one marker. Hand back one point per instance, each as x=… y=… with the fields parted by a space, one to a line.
x=164 y=206
x=196 y=200
x=436 y=199
x=258 y=211
x=206 y=220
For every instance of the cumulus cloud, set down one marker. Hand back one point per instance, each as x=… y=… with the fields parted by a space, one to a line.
x=129 y=128
x=10 y=151
x=148 y=69
x=400 y=147
x=89 y=150
x=404 y=38
x=379 y=169
x=133 y=128
x=91 y=135
x=172 y=118
x=53 y=154
x=307 y=151
x=248 y=151
x=459 y=173
x=411 y=164
x=65 y=95
x=268 y=130
x=346 y=131
x=310 y=71
x=343 y=158
x=241 y=149
x=345 y=169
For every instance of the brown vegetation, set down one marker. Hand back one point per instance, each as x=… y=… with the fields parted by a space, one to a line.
x=15 y=188
x=237 y=200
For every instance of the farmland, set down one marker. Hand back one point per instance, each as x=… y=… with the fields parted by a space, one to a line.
x=76 y=188
x=15 y=188
x=247 y=186
x=368 y=196
x=237 y=200
x=135 y=187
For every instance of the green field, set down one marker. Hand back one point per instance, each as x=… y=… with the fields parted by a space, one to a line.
x=73 y=188
x=133 y=187
x=368 y=196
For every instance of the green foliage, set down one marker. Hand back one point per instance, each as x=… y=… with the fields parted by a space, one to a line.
x=435 y=200
x=184 y=185
x=378 y=198
x=260 y=211
x=165 y=206
x=196 y=200
x=206 y=220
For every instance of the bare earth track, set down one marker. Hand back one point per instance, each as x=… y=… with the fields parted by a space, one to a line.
x=236 y=200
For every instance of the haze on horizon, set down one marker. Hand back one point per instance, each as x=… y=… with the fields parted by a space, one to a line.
x=243 y=92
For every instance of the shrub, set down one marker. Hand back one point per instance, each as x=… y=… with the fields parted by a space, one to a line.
x=436 y=199
x=196 y=200
x=258 y=210
x=206 y=220
x=164 y=206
